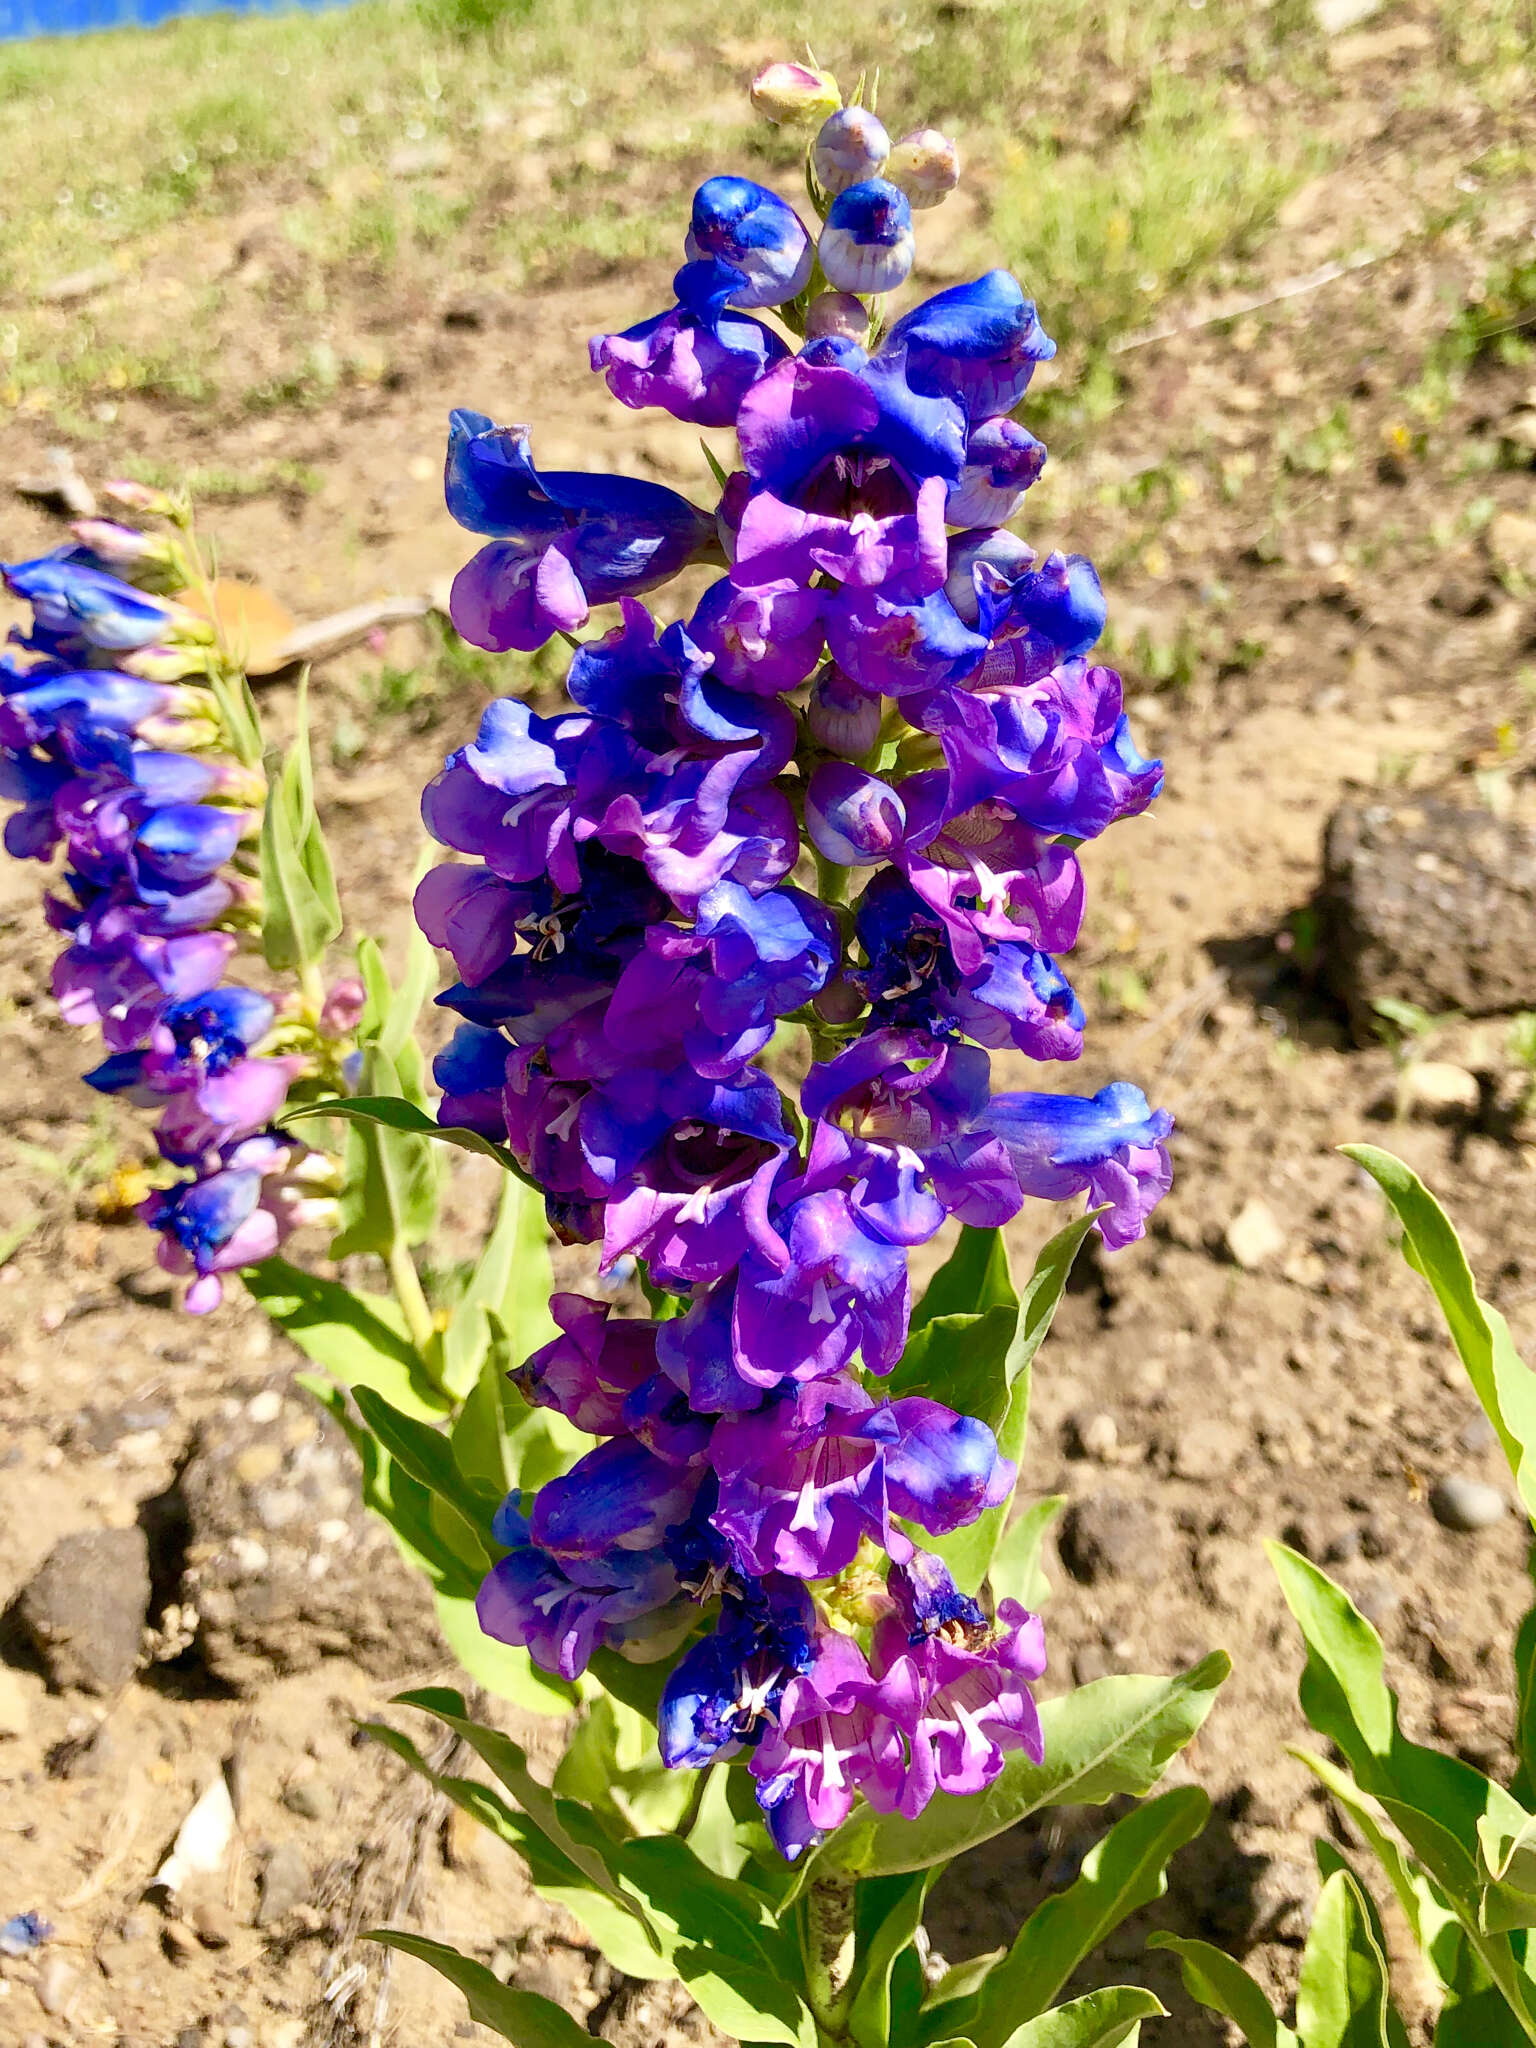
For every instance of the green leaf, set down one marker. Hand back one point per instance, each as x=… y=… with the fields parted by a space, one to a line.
x=426 y=1454
x=1475 y=2013
x=1216 y=1982
x=1113 y=1736
x=960 y=1981
x=1523 y=1784
x=1431 y=1921
x=1104 y=2019
x=522 y=2017
x=892 y=1912
x=300 y=911
x=397 y=1115
x=974 y=1278
x=1123 y=1872
x=1341 y=1998
x=511 y=1285
x=393 y=1179
x=398 y=1499
x=1332 y=1860
x=358 y=1338
x=969 y=1551
x=563 y=1824
x=960 y=1360
x=1015 y=1572
x=1499 y=1376
x=717 y=1837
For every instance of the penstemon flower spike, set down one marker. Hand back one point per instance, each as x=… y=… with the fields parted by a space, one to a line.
x=843 y=792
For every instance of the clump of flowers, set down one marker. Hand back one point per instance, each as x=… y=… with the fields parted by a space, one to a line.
x=843 y=794
x=128 y=744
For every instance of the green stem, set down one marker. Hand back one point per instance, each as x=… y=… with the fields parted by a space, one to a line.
x=831 y=880
x=414 y=1305
x=827 y=1946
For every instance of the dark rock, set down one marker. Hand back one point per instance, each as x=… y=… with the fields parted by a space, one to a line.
x=282 y=1564
x=1431 y=904
x=84 y=1609
x=1466 y=1504
x=285 y=1884
x=1109 y=1535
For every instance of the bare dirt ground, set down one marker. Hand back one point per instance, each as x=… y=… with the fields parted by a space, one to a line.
x=1263 y=489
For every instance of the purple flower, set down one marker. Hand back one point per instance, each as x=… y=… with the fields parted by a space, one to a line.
x=561 y=540
x=1110 y=1145
x=124 y=987
x=726 y=1689
x=806 y=1478
x=828 y=1744
x=1002 y=460
x=1016 y=995
x=977 y=343
x=764 y=640
x=697 y=360
x=471 y=1070
x=867 y=245
x=836 y=1291
x=755 y=233
x=74 y=602
x=561 y=1609
x=851 y=816
x=780 y=543
x=955 y=1688
x=817 y=429
x=620 y=1496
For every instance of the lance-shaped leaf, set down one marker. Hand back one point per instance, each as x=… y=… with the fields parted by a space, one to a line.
x=1221 y=1985
x=522 y=2017
x=1500 y=1378
x=359 y=1339
x=397 y=1115
x=974 y=1278
x=565 y=1825
x=969 y=1551
x=1341 y=1998
x=427 y=1455
x=1104 y=2019
x=961 y=1360
x=1126 y=1870
x=1113 y=1736
x=511 y=1283
x=890 y=1913
x=1476 y=2013
x=1016 y=1572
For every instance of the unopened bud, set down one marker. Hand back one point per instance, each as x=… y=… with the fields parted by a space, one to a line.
x=926 y=165
x=794 y=93
x=342 y=1011
x=840 y=716
x=838 y=1003
x=121 y=547
x=851 y=146
x=838 y=314
x=134 y=497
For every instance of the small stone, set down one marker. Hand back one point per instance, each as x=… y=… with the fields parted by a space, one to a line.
x=289 y=2034
x=1335 y=16
x=34 y=2041
x=15 y=1713
x=55 y=1986
x=1109 y=1535
x=239 y=2037
x=266 y=1406
x=1466 y=1504
x=1093 y=1436
x=85 y=1608
x=284 y=1884
x=191 y=2037
x=1253 y=1237
x=260 y=1462
x=1438 y=1092
x=305 y=1799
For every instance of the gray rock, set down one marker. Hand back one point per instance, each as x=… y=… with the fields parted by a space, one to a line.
x=85 y=1607
x=1466 y=1504
x=283 y=1564
x=55 y=1986
x=1110 y=1535
x=1429 y=903
x=285 y=1884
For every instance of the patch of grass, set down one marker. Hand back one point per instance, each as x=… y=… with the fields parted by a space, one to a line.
x=218 y=485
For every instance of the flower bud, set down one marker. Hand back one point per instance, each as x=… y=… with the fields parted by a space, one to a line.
x=123 y=548
x=839 y=1002
x=851 y=816
x=851 y=146
x=134 y=497
x=757 y=233
x=926 y=165
x=867 y=244
x=838 y=315
x=1001 y=558
x=840 y=716
x=789 y=94
x=342 y=1010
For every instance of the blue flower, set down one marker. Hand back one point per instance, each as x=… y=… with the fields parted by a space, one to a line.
x=697 y=360
x=724 y=1691
x=757 y=234
x=867 y=245
x=561 y=1610
x=76 y=602
x=977 y=343
x=1111 y=1145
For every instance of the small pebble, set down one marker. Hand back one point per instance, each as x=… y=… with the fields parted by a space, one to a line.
x=1436 y=1091
x=285 y=1883
x=305 y=1799
x=1253 y=1237
x=178 y=1941
x=55 y=1985
x=1466 y=1504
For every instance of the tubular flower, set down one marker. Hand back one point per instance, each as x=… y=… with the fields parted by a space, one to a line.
x=126 y=778
x=843 y=793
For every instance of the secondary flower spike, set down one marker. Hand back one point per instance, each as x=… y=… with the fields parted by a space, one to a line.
x=837 y=799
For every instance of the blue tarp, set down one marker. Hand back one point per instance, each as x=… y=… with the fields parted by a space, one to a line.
x=75 y=17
